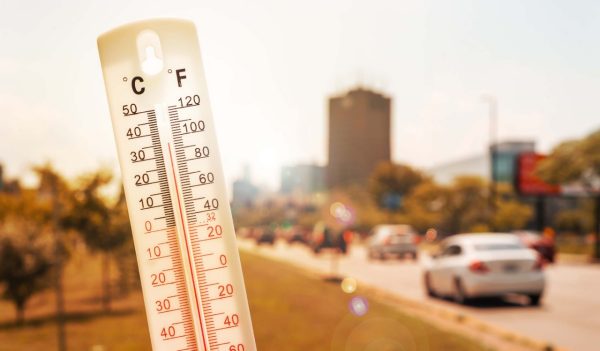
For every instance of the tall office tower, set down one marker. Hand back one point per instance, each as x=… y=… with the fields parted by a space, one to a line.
x=359 y=136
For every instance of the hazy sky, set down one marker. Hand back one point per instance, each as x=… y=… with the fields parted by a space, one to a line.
x=270 y=66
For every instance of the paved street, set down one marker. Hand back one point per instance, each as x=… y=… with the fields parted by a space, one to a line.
x=569 y=316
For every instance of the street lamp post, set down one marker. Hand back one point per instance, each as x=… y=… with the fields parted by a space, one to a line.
x=493 y=139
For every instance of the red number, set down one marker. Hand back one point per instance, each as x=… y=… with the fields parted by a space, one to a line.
x=225 y=290
x=148 y=226
x=214 y=231
x=232 y=321
x=239 y=347
x=163 y=305
x=168 y=332
x=223 y=259
x=154 y=252
x=159 y=278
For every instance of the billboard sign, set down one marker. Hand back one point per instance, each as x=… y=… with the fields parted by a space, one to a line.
x=527 y=182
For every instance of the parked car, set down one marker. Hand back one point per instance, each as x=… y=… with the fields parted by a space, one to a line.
x=265 y=236
x=297 y=234
x=397 y=240
x=544 y=245
x=324 y=238
x=485 y=265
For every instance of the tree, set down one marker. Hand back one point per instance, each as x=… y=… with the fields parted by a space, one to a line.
x=426 y=206
x=125 y=253
x=25 y=250
x=93 y=220
x=577 y=161
x=54 y=194
x=390 y=183
x=24 y=270
x=465 y=209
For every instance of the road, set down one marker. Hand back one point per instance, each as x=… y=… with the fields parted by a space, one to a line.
x=569 y=316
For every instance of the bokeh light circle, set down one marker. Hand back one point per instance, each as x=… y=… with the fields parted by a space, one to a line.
x=359 y=306
x=349 y=285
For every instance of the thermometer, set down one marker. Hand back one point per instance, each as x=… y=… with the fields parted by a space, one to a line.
x=181 y=221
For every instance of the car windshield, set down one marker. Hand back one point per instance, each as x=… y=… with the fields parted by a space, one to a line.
x=498 y=246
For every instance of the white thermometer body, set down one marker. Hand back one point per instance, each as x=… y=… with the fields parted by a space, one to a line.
x=183 y=232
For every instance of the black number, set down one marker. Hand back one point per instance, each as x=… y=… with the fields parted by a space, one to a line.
x=207 y=178
x=211 y=204
x=193 y=127
x=142 y=179
x=138 y=156
x=201 y=152
x=134 y=132
x=147 y=202
x=130 y=109
x=189 y=101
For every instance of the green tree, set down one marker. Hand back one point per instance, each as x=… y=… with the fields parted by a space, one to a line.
x=466 y=206
x=390 y=182
x=125 y=253
x=426 y=207
x=93 y=220
x=24 y=270
x=55 y=194
x=577 y=161
x=25 y=250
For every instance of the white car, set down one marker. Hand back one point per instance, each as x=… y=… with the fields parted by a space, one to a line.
x=485 y=265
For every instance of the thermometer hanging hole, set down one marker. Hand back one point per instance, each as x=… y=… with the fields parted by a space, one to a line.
x=149 y=52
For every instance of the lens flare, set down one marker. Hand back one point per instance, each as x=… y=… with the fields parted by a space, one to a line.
x=342 y=213
x=349 y=285
x=359 y=306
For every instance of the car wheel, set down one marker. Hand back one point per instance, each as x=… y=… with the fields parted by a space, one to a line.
x=428 y=288
x=460 y=296
x=534 y=300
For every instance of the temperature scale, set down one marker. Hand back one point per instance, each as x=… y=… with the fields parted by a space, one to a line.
x=180 y=216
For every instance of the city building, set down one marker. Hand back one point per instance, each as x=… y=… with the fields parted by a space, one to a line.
x=302 y=179
x=359 y=136
x=244 y=191
x=505 y=158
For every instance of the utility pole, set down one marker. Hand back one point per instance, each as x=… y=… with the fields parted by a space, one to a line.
x=58 y=261
x=597 y=227
x=493 y=140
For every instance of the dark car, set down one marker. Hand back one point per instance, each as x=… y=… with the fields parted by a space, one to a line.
x=266 y=236
x=324 y=238
x=544 y=245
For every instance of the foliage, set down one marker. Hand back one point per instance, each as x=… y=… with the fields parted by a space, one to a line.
x=92 y=219
x=426 y=206
x=573 y=160
x=103 y=228
x=466 y=206
x=393 y=180
x=25 y=250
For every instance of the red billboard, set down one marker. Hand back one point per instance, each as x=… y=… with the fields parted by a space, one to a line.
x=527 y=182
